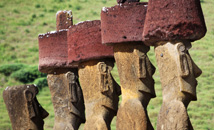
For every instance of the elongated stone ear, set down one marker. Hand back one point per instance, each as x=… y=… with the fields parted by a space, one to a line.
x=29 y=96
x=75 y=99
x=104 y=76
x=183 y=60
x=141 y=64
x=72 y=87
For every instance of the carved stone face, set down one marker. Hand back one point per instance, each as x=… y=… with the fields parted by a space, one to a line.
x=35 y=110
x=178 y=71
x=100 y=92
x=23 y=107
x=135 y=69
x=97 y=83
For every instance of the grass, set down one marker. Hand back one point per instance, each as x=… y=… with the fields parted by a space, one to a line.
x=22 y=20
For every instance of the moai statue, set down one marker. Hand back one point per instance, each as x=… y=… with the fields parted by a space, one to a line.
x=171 y=26
x=24 y=110
x=121 y=27
x=67 y=99
x=95 y=63
x=62 y=78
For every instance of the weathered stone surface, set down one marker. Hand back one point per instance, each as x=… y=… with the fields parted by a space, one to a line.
x=137 y=85
x=133 y=116
x=64 y=19
x=100 y=93
x=126 y=1
x=173 y=19
x=67 y=100
x=53 y=51
x=173 y=116
x=24 y=110
x=123 y=23
x=84 y=43
x=178 y=75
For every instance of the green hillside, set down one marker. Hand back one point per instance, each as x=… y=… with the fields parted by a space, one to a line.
x=22 y=20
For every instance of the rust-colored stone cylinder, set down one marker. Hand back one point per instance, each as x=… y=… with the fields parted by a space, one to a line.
x=123 y=23
x=84 y=43
x=53 y=47
x=173 y=20
x=53 y=51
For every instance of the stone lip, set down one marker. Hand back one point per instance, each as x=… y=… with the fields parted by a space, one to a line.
x=84 y=43
x=53 y=51
x=123 y=23
x=177 y=20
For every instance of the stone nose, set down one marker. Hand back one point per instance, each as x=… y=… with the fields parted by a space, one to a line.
x=196 y=70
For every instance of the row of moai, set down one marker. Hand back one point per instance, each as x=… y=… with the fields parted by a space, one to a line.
x=86 y=53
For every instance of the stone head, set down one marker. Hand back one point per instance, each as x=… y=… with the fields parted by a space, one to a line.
x=178 y=70
x=134 y=67
x=23 y=107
